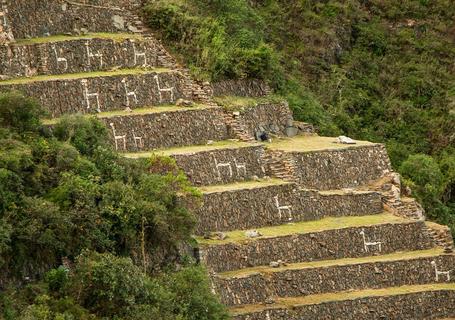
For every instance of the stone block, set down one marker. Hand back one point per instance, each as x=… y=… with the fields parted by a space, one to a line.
x=258 y=287
x=141 y=132
x=425 y=305
x=342 y=168
x=241 y=209
x=82 y=55
x=104 y=93
x=305 y=247
x=209 y=167
x=38 y=18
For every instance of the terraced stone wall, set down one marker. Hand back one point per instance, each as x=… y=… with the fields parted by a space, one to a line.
x=6 y=34
x=324 y=245
x=271 y=117
x=337 y=169
x=241 y=88
x=222 y=166
x=254 y=208
x=166 y=129
x=424 y=305
x=257 y=288
x=38 y=18
x=83 y=55
x=108 y=93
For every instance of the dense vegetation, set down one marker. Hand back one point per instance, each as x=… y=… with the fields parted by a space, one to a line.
x=106 y=227
x=381 y=70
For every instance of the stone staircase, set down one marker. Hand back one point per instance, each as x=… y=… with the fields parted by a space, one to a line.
x=299 y=228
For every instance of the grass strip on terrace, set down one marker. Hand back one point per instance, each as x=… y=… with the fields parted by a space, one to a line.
x=312 y=143
x=396 y=256
x=331 y=223
x=134 y=112
x=84 y=75
x=237 y=103
x=218 y=145
x=89 y=36
x=262 y=183
x=287 y=303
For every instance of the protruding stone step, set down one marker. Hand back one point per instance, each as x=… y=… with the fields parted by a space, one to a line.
x=421 y=302
x=75 y=54
x=38 y=18
x=274 y=202
x=326 y=239
x=257 y=285
x=217 y=162
x=321 y=164
x=102 y=91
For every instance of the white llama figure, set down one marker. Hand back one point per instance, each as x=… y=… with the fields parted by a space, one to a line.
x=91 y=55
x=281 y=208
x=88 y=96
x=240 y=167
x=60 y=59
x=137 y=55
x=439 y=273
x=117 y=138
x=368 y=244
x=164 y=90
x=267 y=315
x=220 y=166
x=138 y=142
x=128 y=93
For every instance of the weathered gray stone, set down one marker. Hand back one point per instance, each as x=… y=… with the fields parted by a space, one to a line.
x=81 y=55
x=37 y=18
x=158 y=130
x=412 y=306
x=305 y=247
x=242 y=88
x=114 y=92
x=343 y=168
x=252 y=208
x=282 y=283
x=202 y=167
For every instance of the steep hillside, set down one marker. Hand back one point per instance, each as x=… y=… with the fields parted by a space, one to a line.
x=376 y=70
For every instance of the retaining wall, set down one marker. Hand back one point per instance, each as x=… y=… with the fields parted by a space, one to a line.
x=75 y=56
x=254 y=208
x=257 y=288
x=166 y=129
x=241 y=88
x=114 y=92
x=324 y=245
x=222 y=166
x=271 y=117
x=337 y=169
x=38 y=18
x=414 y=306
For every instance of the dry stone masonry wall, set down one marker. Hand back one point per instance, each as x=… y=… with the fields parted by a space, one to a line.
x=273 y=118
x=422 y=305
x=222 y=166
x=100 y=94
x=337 y=169
x=257 y=288
x=38 y=18
x=81 y=55
x=324 y=245
x=166 y=129
x=278 y=204
x=241 y=88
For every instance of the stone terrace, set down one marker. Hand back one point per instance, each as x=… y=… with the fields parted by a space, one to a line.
x=299 y=228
